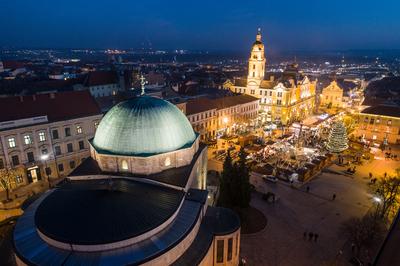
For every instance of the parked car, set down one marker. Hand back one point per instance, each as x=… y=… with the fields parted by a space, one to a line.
x=270 y=178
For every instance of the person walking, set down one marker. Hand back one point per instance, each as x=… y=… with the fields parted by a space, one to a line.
x=308 y=189
x=305 y=235
x=334 y=197
x=310 y=236
x=315 y=237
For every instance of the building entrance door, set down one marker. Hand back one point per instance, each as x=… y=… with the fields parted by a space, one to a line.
x=33 y=174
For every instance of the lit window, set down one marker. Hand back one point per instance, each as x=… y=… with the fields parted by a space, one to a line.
x=167 y=161
x=78 y=129
x=124 y=165
x=27 y=139
x=374 y=137
x=389 y=122
x=11 y=143
x=42 y=136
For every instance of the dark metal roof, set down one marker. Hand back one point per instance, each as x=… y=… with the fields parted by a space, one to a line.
x=32 y=249
x=386 y=110
x=104 y=211
x=217 y=221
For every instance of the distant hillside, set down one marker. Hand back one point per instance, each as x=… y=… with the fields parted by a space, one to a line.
x=386 y=90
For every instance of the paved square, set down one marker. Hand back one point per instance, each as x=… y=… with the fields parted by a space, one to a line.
x=282 y=243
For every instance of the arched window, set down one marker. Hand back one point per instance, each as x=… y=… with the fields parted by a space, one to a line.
x=124 y=165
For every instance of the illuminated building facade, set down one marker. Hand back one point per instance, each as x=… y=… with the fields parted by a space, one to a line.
x=380 y=124
x=212 y=116
x=45 y=136
x=284 y=97
x=331 y=96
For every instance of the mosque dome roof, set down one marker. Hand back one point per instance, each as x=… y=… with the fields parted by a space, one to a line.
x=143 y=126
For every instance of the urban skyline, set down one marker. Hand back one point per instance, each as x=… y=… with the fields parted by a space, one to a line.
x=222 y=25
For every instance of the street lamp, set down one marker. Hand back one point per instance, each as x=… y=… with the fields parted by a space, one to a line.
x=44 y=158
x=377 y=199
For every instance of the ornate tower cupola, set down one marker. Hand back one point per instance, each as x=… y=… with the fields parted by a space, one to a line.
x=256 y=63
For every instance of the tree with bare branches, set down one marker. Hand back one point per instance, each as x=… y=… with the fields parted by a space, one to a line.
x=7 y=177
x=387 y=190
x=363 y=232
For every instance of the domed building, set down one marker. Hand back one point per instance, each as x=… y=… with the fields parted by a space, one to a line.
x=140 y=199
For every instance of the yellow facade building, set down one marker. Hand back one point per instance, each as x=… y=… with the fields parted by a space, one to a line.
x=380 y=124
x=212 y=116
x=284 y=97
x=332 y=96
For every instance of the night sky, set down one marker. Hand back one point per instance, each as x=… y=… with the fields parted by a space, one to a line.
x=201 y=25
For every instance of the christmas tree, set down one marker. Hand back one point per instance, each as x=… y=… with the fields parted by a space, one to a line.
x=337 y=140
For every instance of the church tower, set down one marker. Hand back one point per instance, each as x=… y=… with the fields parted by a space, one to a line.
x=256 y=64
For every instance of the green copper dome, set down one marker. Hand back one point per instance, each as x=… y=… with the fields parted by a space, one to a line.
x=143 y=126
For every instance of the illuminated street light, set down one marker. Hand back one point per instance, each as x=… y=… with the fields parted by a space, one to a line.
x=44 y=158
x=377 y=199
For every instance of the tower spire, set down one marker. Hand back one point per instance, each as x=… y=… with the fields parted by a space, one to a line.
x=258 y=36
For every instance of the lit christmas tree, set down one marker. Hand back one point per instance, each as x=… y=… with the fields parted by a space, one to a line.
x=337 y=140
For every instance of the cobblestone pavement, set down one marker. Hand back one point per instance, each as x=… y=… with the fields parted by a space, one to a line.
x=296 y=212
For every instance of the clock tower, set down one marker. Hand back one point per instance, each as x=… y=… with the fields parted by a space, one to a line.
x=256 y=64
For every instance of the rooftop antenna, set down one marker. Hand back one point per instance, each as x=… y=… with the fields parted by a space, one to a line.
x=143 y=82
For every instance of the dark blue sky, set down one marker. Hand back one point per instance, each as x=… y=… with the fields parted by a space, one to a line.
x=201 y=24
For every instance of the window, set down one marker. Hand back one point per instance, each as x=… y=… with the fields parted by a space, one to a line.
x=72 y=164
x=81 y=145
x=254 y=74
x=1 y=164
x=270 y=93
x=42 y=136
x=19 y=179
x=220 y=251
x=27 y=139
x=230 y=244
x=44 y=151
x=236 y=244
x=55 y=134
x=279 y=94
x=278 y=102
x=69 y=147
x=79 y=130
x=61 y=167
x=167 y=161
x=15 y=160
x=389 y=122
x=67 y=132
x=371 y=121
x=124 y=165
x=254 y=66
x=11 y=143
x=57 y=150
x=30 y=156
